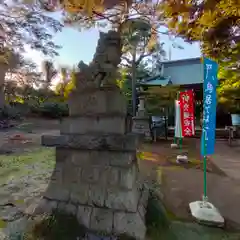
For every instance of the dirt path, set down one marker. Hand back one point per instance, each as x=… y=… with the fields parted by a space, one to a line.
x=228 y=159
x=180 y=185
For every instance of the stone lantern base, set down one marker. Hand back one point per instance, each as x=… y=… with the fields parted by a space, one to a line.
x=141 y=126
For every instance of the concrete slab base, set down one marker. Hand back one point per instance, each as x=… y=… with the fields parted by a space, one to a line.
x=174 y=145
x=182 y=159
x=205 y=213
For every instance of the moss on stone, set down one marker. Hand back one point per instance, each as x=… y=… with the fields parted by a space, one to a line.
x=57 y=226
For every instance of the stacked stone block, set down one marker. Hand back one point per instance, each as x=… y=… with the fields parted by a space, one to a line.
x=96 y=172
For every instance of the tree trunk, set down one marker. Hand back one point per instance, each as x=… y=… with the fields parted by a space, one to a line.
x=3 y=70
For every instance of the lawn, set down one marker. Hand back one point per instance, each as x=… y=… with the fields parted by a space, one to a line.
x=17 y=165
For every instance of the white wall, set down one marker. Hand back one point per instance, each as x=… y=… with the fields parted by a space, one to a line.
x=185 y=73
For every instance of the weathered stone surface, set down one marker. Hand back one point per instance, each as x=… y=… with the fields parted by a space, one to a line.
x=96 y=236
x=80 y=158
x=118 y=199
x=130 y=224
x=67 y=208
x=71 y=174
x=89 y=158
x=144 y=196
x=62 y=155
x=113 y=142
x=99 y=101
x=9 y=213
x=55 y=191
x=114 y=176
x=95 y=174
x=141 y=126
x=79 y=193
x=83 y=215
x=128 y=177
x=93 y=124
x=123 y=159
x=102 y=220
x=142 y=211
x=45 y=206
x=57 y=174
x=101 y=158
x=33 y=208
x=96 y=195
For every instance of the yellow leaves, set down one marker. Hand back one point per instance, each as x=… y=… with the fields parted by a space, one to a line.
x=229 y=7
x=153 y=39
x=28 y=1
x=3 y=224
x=207 y=18
x=85 y=6
x=172 y=23
x=19 y=201
x=3 y=59
x=140 y=155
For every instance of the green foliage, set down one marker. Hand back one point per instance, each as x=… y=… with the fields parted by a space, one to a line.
x=58 y=226
x=52 y=110
x=26 y=24
x=65 y=87
x=8 y=112
x=156 y=215
x=229 y=88
x=216 y=25
x=123 y=83
x=160 y=100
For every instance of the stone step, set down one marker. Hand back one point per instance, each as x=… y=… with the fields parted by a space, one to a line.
x=104 y=142
x=94 y=123
x=97 y=101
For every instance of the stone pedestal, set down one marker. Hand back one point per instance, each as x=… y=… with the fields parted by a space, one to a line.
x=96 y=172
x=140 y=126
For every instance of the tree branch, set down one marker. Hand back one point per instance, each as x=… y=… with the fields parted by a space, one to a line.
x=142 y=57
x=127 y=60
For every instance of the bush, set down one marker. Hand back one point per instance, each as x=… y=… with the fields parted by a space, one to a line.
x=8 y=112
x=52 y=110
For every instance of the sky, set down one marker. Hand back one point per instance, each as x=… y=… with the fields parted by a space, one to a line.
x=77 y=46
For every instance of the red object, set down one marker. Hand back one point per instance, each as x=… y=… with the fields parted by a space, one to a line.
x=186 y=100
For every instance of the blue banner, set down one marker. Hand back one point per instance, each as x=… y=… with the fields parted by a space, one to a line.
x=209 y=106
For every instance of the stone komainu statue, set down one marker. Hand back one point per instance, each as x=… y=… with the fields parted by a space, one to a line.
x=103 y=68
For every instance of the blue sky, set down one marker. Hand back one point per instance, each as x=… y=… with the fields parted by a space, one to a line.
x=78 y=46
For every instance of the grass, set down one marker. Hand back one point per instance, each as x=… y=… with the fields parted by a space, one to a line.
x=15 y=165
x=57 y=226
x=163 y=224
x=61 y=226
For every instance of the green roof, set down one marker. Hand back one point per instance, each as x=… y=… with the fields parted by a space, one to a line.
x=157 y=81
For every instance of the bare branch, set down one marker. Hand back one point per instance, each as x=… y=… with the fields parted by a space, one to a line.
x=142 y=57
x=127 y=60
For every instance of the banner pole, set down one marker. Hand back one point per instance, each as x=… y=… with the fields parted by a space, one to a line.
x=204 y=169
x=175 y=138
x=204 y=149
x=204 y=211
x=180 y=139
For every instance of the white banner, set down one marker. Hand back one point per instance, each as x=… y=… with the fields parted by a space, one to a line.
x=178 y=127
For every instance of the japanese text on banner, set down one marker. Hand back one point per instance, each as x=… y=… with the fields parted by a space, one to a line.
x=187 y=113
x=209 y=106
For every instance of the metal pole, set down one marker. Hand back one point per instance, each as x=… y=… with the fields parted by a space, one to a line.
x=134 y=83
x=204 y=168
